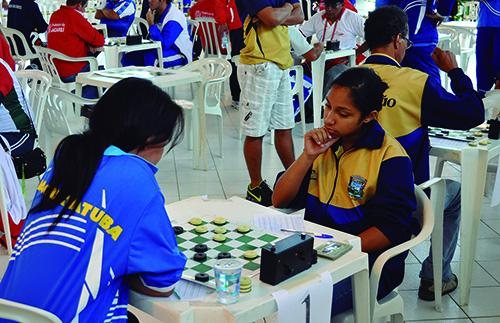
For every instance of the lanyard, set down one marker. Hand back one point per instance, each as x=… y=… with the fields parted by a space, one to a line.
x=334 y=27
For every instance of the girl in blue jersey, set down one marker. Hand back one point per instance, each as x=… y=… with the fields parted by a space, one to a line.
x=354 y=177
x=98 y=225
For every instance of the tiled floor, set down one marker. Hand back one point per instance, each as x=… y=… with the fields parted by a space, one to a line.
x=227 y=176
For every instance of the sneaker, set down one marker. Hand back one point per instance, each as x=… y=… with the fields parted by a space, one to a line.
x=260 y=194
x=426 y=289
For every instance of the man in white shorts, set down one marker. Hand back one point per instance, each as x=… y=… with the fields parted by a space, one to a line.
x=266 y=99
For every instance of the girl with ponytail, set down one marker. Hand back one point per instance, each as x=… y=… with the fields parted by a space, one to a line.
x=98 y=225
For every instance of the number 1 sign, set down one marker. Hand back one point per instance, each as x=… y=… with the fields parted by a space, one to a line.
x=311 y=303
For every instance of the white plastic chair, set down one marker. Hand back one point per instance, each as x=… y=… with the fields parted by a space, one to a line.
x=47 y=57
x=61 y=105
x=215 y=71
x=392 y=305
x=210 y=41
x=298 y=89
x=137 y=27
x=11 y=35
x=25 y=313
x=35 y=85
x=5 y=217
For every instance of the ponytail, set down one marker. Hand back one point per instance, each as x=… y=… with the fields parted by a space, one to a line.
x=131 y=115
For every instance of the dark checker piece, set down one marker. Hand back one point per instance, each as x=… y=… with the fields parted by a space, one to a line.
x=201 y=277
x=178 y=230
x=200 y=256
x=200 y=248
x=223 y=255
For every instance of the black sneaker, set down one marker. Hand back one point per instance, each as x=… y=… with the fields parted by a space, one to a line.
x=426 y=289
x=261 y=194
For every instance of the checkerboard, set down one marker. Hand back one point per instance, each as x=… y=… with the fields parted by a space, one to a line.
x=474 y=134
x=236 y=244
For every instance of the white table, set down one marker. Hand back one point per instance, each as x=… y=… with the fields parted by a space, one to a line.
x=259 y=303
x=115 y=47
x=474 y=161
x=164 y=79
x=318 y=75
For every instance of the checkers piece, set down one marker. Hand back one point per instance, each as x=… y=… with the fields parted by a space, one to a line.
x=218 y=220
x=245 y=290
x=245 y=282
x=200 y=256
x=484 y=142
x=196 y=221
x=223 y=255
x=220 y=230
x=250 y=254
x=243 y=229
x=219 y=237
x=473 y=144
x=201 y=229
x=178 y=230
x=201 y=277
x=200 y=248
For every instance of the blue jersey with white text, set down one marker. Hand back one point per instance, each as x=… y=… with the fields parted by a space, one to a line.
x=76 y=270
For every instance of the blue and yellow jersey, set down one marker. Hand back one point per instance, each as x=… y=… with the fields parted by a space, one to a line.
x=369 y=185
x=119 y=229
x=414 y=101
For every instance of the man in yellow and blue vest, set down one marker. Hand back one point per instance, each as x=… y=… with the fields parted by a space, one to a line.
x=413 y=101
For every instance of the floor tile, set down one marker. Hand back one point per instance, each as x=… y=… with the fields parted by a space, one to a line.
x=486 y=319
x=492 y=267
x=416 y=309
x=443 y=321
x=484 y=301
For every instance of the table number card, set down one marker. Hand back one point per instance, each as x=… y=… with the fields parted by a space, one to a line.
x=311 y=304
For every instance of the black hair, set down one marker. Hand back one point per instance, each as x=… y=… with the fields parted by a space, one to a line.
x=383 y=24
x=333 y=3
x=366 y=88
x=131 y=115
x=75 y=2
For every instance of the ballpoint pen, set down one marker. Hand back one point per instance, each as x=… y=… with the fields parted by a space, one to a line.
x=316 y=235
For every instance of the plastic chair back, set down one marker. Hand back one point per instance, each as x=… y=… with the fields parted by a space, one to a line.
x=48 y=56
x=18 y=44
x=5 y=216
x=25 y=313
x=35 y=85
x=210 y=41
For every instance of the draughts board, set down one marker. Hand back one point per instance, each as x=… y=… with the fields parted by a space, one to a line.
x=474 y=134
x=236 y=244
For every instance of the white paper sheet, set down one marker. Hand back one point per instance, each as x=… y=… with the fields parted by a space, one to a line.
x=276 y=222
x=186 y=290
x=495 y=197
x=311 y=304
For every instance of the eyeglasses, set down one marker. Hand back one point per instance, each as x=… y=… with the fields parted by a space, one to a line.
x=409 y=43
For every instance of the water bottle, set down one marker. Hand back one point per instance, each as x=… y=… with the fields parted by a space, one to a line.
x=225 y=38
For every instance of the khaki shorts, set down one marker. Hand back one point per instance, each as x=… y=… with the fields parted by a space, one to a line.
x=266 y=99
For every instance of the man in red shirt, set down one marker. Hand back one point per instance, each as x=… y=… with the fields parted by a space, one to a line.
x=227 y=18
x=71 y=34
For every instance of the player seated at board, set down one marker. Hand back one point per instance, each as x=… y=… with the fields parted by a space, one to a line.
x=413 y=102
x=345 y=178
x=98 y=225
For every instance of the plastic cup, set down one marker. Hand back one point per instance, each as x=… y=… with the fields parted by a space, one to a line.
x=227 y=274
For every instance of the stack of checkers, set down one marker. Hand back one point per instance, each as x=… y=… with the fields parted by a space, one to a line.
x=245 y=284
x=205 y=242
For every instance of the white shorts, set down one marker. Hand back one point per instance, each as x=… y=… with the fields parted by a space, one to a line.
x=266 y=99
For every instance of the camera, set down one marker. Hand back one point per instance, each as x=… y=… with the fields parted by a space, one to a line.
x=333 y=45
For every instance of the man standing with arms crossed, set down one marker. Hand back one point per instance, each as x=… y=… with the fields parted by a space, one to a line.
x=266 y=100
